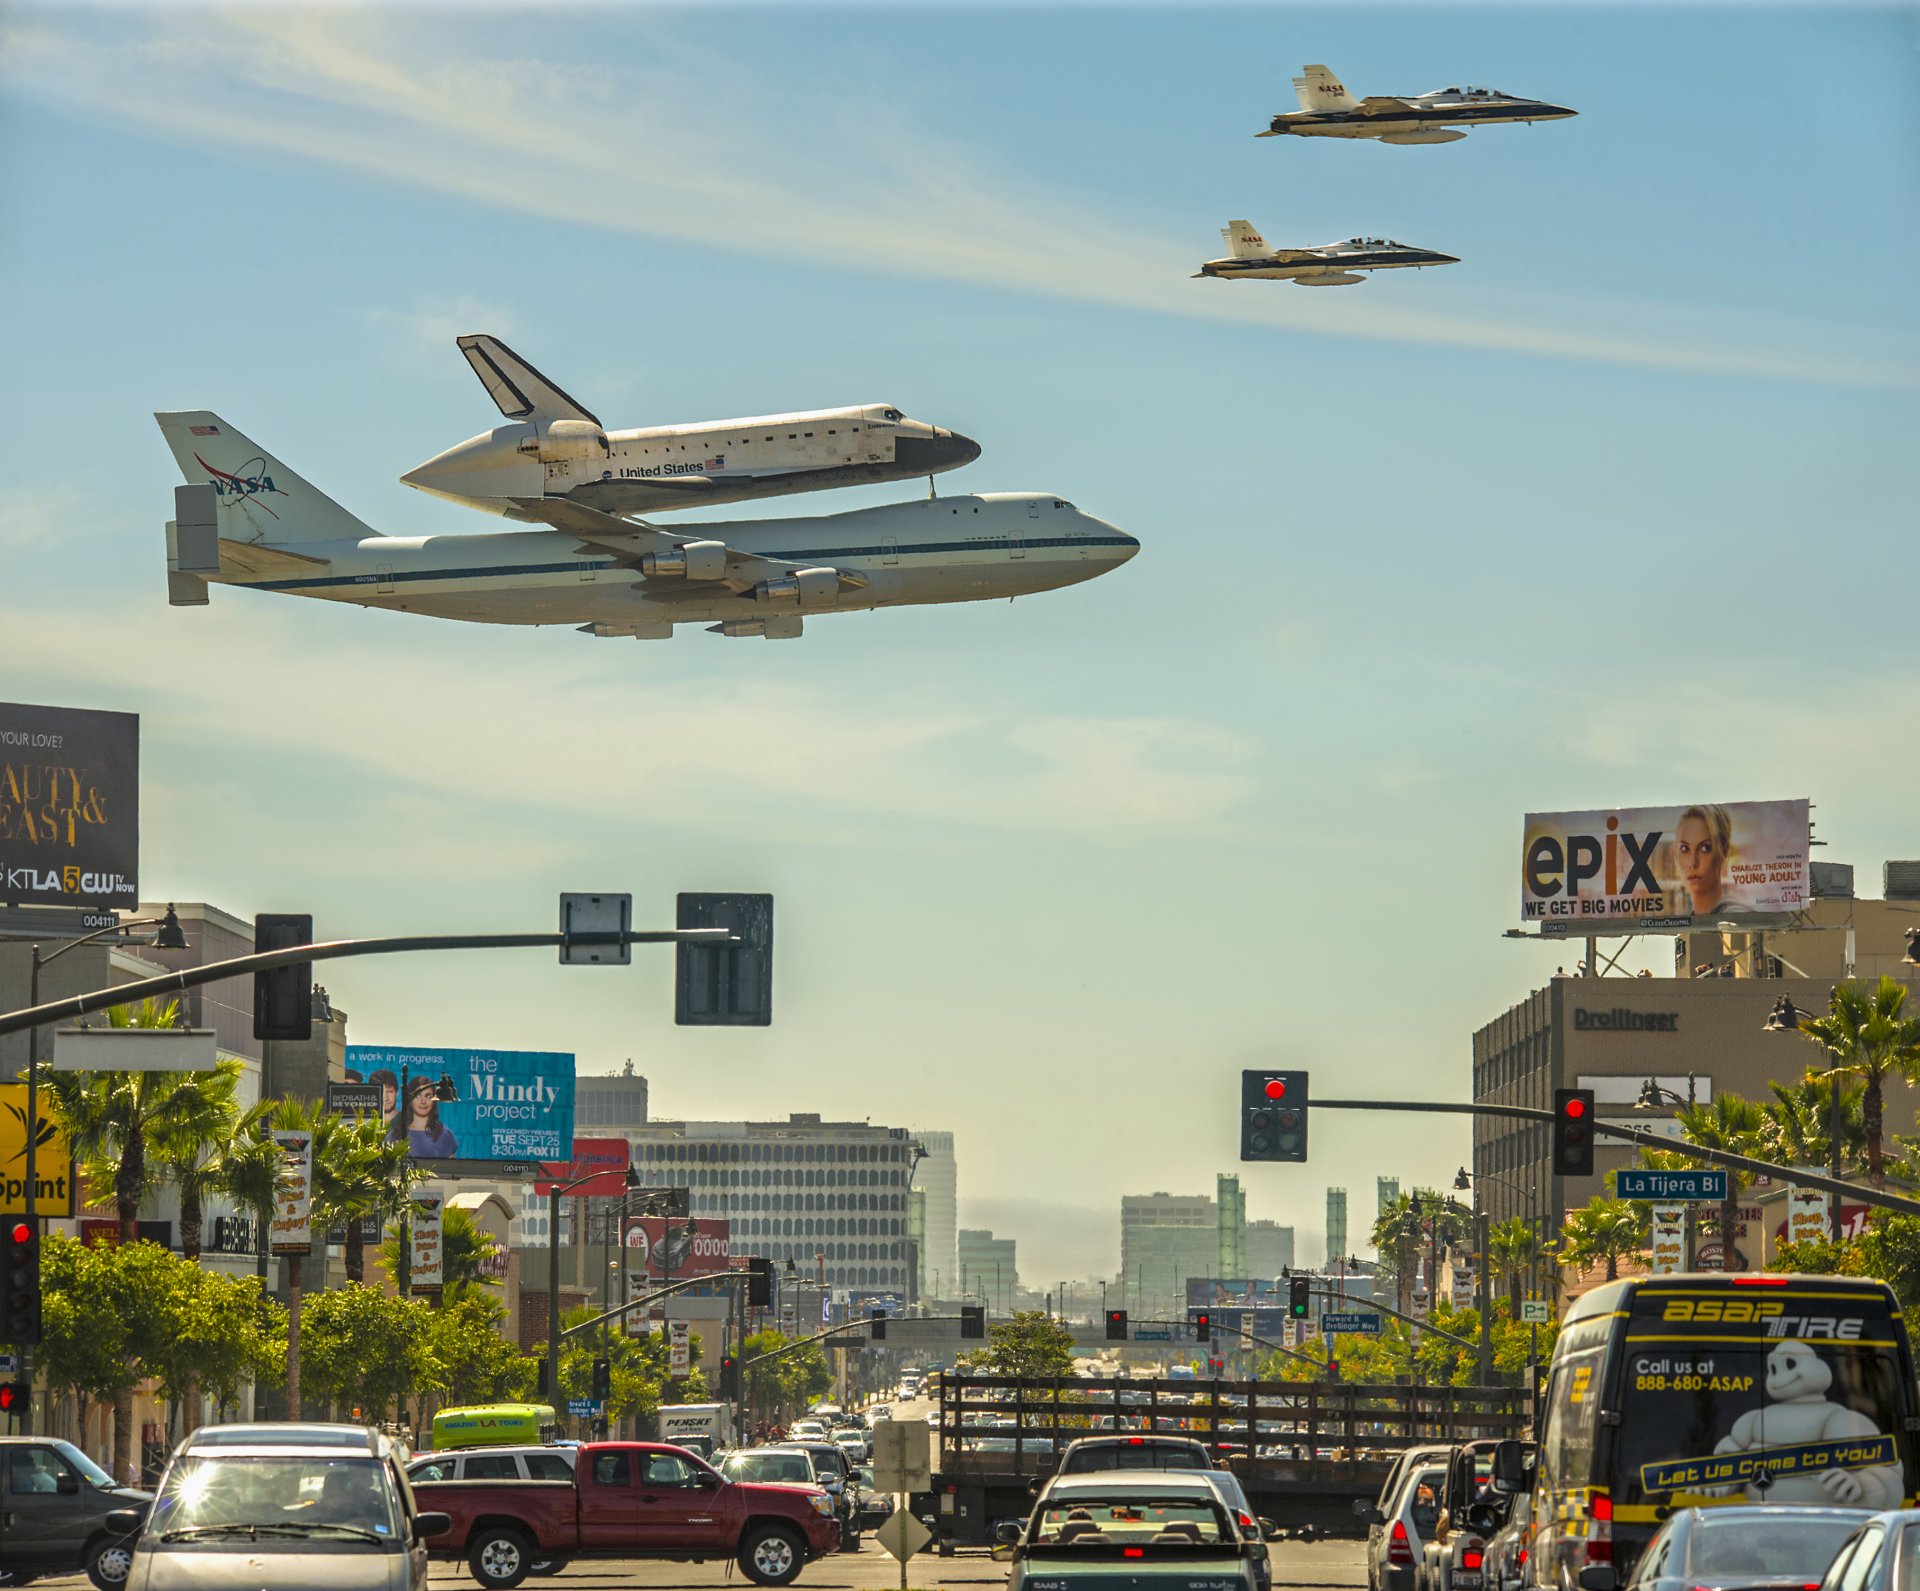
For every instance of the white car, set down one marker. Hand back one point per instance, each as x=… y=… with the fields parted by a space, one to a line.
x=807 y=1431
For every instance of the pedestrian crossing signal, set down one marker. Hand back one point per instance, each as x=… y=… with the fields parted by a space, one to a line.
x=14 y=1396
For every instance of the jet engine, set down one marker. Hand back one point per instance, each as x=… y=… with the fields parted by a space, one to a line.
x=562 y=440
x=804 y=588
x=778 y=627
x=691 y=560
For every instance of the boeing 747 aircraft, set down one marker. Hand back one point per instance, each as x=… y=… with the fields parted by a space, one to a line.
x=1328 y=265
x=1327 y=110
x=551 y=447
x=245 y=519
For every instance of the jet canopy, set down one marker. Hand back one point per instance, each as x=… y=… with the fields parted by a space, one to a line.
x=1467 y=92
x=1375 y=243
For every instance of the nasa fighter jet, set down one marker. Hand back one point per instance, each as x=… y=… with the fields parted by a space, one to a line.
x=553 y=448
x=246 y=519
x=1327 y=110
x=1329 y=265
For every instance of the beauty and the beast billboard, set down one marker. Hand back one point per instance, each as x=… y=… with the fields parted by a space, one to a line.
x=1650 y=869
x=69 y=806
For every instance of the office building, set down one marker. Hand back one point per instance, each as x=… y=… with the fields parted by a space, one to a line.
x=1269 y=1250
x=937 y=1172
x=917 y=1236
x=606 y=1106
x=1230 y=1226
x=1337 y=1249
x=1164 y=1239
x=1386 y=1192
x=795 y=1189
x=988 y=1271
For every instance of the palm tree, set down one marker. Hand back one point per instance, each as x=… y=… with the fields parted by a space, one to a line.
x=1867 y=1036
x=1799 y=1124
x=1604 y=1229
x=1396 y=1237
x=1513 y=1249
x=1735 y=1125
x=464 y=1252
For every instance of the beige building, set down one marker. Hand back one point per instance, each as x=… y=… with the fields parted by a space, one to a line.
x=1690 y=1036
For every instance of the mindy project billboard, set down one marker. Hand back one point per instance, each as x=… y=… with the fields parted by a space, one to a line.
x=1657 y=869
x=69 y=806
x=509 y=1106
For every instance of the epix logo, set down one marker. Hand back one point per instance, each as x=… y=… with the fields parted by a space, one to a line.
x=1552 y=867
x=250 y=480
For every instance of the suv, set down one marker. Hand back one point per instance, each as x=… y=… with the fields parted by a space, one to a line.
x=1404 y=1525
x=1091 y=1453
x=835 y=1472
x=494 y=1464
x=57 y=1501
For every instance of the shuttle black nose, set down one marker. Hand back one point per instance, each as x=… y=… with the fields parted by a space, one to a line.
x=944 y=450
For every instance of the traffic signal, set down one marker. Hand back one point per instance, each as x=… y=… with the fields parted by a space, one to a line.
x=283 y=998
x=973 y=1320
x=1299 y=1298
x=20 y=1284
x=1203 y=1327
x=725 y=985
x=876 y=1325
x=602 y=1379
x=15 y=1397
x=1273 y=1116
x=1573 y=1132
x=1116 y=1325
x=759 y=1282
x=729 y=1378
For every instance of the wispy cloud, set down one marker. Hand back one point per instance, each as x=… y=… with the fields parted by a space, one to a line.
x=690 y=147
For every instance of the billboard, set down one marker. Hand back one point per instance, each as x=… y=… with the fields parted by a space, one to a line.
x=511 y=1106
x=608 y=1156
x=1212 y=1291
x=661 y=1249
x=1657 y=869
x=69 y=806
x=52 y=1158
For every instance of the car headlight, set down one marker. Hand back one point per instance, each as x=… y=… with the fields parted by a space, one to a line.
x=822 y=1503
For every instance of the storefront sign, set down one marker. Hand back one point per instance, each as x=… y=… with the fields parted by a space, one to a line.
x=1621 y=1020
x=69 y=806
x=52 y=1157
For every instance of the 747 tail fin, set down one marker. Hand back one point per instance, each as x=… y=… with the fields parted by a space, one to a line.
x=259 y=499
x=1319 y=89
x=1243 y=242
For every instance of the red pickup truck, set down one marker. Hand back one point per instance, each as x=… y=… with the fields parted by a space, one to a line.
x=630 y=1500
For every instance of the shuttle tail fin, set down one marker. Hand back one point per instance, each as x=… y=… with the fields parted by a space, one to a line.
x=1319 y=89
x=257 y=497
x=1243 y=241
x=521 y=391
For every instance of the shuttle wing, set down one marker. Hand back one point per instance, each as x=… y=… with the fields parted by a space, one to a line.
x=1382 y=105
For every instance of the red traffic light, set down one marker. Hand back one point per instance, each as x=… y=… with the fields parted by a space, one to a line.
x=1575 y=1108
x=1276 y=1088
x=21 y=1232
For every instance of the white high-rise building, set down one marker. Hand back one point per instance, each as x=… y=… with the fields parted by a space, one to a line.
x=938 y=1174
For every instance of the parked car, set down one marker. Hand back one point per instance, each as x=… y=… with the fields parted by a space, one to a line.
x=57 y=1503
x=1403 y=1527
x=316 y=1505
x=1133 y=1527
x=631 y=1500
x=1745 y=1547
x=1882 y=1554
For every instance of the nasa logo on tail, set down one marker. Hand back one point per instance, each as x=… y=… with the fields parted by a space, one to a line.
x=250 y=480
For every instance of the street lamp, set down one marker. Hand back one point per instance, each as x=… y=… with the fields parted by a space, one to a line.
x=168 y=935
x=1786 y=1017
x=555 y=1191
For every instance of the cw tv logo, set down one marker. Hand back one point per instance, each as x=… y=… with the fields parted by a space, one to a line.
x=1553 y=867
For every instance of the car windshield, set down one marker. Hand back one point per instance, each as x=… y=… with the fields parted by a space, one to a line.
x=1137 y=1454
x=209 y=1494
x=767 y=1467
x=1788 y=1547
x=1129 y=1523
x=82 y=1463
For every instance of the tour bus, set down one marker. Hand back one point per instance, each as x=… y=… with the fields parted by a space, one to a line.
x=1688 y=1391
x=495 y=1425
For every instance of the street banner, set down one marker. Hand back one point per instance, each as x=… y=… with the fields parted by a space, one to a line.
x=1697 y=1186
x=1809 y=1216
x=1669 y=1239
x=507 y=1105
x=428 y=1240
x=69 y=806
x=610 y=1156
x=293 y=1194
x=661 y=1250
x=52 y=1157
x=1463 y=1282
x=1657 y=869
x=679 y=1357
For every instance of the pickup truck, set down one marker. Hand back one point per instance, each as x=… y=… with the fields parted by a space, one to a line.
x=630 y=1500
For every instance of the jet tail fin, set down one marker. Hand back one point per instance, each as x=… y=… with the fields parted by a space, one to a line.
x=1319 y=89
x=1243 y=241
x=258 y=498
x=521 y=391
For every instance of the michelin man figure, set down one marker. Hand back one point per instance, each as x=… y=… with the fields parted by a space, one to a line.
x=1798 y=1410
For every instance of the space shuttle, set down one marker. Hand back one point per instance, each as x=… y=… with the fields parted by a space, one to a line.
x=553 y=447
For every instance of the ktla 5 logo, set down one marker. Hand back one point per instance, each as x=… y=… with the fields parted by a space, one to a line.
x=69 y=880
x=1552 y=867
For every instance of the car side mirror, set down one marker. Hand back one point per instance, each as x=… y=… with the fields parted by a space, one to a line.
x=1007 y=1533
x=425 y=1525
x=1510 y=1471
x=1481 y=1519
x=1269 y=1531
x=1598 y=1577
x=125 y=1521
x=706 y=1480
x=66 y=1483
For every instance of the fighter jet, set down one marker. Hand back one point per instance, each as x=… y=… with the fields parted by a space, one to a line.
x=246 y=519
x=552 y=447
x=1329 y=265
x=1327 y=110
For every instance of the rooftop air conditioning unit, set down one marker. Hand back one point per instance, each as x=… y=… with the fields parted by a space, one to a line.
x=1902 y=881
x=1831 y=880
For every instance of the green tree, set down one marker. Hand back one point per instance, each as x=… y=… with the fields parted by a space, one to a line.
x=1513 y=1248
x=778 y=1389
x=1604 y=1231
x=86 y=1340
x=1397 y=1235
x=639 y=1368
x=1799 y=1123
x=1736 y=1125
x=364 y=1349
x=474 y=1363
x=1031 y=1343
x=1867 y=1034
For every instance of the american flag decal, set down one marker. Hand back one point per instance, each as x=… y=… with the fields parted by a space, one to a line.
x=204 y=430
x=719 y=463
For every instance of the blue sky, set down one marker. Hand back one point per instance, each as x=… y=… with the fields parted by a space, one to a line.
x=1616 y=510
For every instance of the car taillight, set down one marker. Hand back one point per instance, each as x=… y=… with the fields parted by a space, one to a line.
x=1523 y=1556
x=1760 y=1281
x=1600 y=1528
x=1472 y=1560
x=1133 y=1552
x=1399 y=1552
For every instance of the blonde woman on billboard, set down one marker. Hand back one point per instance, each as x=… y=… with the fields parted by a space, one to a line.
x=1701 y=841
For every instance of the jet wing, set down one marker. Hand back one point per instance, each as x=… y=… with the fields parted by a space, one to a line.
x=627 y=539
x=258 y=562
x=1383 y=105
